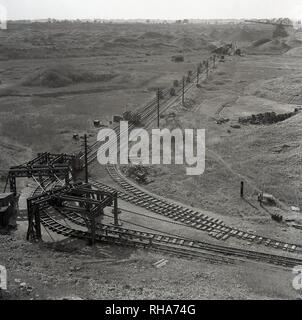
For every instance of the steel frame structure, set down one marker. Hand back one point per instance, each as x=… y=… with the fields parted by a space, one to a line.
x=43 y=166
x=80 y=198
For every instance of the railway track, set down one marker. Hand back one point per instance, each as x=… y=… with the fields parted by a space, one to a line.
x=195 y=219
x=177 y=246
x=148 y=113
x=182 y=247
x=190 y=217
x=169 y=244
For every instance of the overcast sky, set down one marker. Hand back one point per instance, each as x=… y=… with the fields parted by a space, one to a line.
x=153 y=9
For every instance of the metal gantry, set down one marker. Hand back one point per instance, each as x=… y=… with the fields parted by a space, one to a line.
x=45 y=165
x=77 y=198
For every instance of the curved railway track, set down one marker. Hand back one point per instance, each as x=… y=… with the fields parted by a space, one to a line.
x=125 y=237
x=182 y=247
x=169 y=244
x=187 y=243
x=214 y=227
x=192 y=218
x=195 y=219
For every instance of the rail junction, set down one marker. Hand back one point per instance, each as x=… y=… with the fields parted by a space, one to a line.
x=56 y=198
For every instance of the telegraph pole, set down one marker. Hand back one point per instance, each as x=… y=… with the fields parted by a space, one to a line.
x=214 y=61
x=183 y=91
x=197 y=80
x=158 y=106
x=86 y=158
x=115 y=209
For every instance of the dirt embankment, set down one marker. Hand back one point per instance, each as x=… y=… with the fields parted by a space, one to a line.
x=286 y=89
x=71 y=270
x=62 y=76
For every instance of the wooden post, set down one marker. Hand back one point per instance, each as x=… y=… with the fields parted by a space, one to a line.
x=183 y=91
x=37 y=224
x=86 y=158
x=242 y=189
x=115 y=209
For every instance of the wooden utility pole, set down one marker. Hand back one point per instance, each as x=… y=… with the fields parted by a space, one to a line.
x=158 y=106
x=115 y=209
x=197 y=80
x=183 y=91
x=86 y=158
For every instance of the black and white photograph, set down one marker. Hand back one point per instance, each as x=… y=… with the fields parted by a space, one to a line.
x=150 y=153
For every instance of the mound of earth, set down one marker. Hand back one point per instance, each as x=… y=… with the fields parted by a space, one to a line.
x=295 y=52
x=280 y=32
x=62 y=76
x=244 y=34
x=155 y=36
x=260 y=42
x=124 y=40
x=275 y=46
x=117 y=46
x=189 y=42
x=294 y=43
x=285 y=89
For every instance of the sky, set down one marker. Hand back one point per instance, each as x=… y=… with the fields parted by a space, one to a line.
x=151 y=9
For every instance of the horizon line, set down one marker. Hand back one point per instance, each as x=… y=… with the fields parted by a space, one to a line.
x=143 y=19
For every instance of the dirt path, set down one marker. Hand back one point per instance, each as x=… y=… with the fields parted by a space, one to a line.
x=215 y=156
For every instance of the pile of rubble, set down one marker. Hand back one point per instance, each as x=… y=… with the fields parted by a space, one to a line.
x=267 y=118
x=139 y=173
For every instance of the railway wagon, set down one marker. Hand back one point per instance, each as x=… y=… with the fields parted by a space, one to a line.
x=77 y=163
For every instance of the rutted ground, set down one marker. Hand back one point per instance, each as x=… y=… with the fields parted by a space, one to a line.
x=73 y=271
